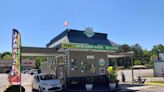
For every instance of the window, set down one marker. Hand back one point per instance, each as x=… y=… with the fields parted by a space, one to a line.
x=101 y=71
x=73 y=64
x=47 y=77
x=35 y=77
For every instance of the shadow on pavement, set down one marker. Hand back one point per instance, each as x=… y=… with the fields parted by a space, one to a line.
x=124 y=87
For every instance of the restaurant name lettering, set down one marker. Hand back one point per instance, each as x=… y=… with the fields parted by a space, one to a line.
x=86 y=46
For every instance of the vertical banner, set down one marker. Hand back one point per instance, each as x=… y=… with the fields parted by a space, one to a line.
x=15 y=74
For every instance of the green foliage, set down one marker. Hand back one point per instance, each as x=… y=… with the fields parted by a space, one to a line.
x=39 y=60
x=0 y=56
x=146 y=54
x=157 y=49
x=137 y=62
x=138 y=51
x=6 y=56
x=113 y=76
x=124 y=48
x=141 y=57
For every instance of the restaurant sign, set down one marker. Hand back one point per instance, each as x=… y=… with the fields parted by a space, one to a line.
x=89 y=32
x=87 y=46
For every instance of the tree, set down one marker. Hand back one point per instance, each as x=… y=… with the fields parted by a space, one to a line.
x=147 y=57
x=138 y=51
x=39 y=60
x=6 y=56
x=160 y=48
x=157 y=48
x=0 y=56
x=124 y=48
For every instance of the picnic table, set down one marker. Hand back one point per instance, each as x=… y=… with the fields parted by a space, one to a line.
x=139 y=80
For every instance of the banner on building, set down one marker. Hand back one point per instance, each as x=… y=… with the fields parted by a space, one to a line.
x=15 y=74
x=88 y=46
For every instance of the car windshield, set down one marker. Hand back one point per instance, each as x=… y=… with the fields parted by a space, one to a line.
x=35 y=70
x=47 y=77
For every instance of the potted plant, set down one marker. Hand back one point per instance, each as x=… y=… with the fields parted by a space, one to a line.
x=112 y=74
x=112 y=80
x=89 y=83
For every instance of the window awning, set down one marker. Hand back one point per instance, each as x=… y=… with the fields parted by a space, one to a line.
x=120 y=55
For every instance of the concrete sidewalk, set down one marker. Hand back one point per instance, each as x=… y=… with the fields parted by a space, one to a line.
x=129 y=87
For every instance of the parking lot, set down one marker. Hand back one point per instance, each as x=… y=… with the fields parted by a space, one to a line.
x=26 y=82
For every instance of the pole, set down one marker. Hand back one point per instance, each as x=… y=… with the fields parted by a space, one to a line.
x=115 y=60
x=132 y=71
x=65 y=71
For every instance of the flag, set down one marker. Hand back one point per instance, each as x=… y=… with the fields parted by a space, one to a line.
x=15 y=75
x=66 y=23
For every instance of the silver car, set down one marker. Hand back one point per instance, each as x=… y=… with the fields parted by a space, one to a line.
x=46 y=83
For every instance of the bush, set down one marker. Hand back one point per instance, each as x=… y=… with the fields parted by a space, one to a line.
x=137 y=62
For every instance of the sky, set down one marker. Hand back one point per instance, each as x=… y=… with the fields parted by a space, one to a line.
x=125 y=21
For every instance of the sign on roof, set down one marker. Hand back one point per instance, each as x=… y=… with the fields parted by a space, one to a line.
x=89 y=32
x=87 y=46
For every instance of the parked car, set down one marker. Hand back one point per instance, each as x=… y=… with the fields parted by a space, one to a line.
x=46 y=83
x=7 y=71
x=25 y=71
x=33 y=71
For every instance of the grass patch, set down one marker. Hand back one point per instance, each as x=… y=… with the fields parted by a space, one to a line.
x=147 y=76
x=161 y=82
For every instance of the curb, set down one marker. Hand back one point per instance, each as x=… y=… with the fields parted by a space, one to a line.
x=149 y=83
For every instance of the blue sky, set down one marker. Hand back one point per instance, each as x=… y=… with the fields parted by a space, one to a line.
x=125 y=21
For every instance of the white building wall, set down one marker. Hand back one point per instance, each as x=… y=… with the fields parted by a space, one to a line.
x=158 y=69
x=45 y=67
x=161 y=55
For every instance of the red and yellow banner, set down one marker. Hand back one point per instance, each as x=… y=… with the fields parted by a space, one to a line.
x=15 y=76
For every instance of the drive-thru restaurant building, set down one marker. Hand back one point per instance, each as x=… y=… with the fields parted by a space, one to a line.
x=80 y=55
x=85 y=54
